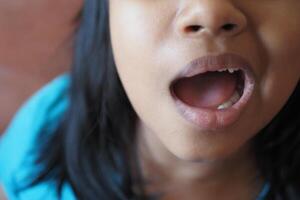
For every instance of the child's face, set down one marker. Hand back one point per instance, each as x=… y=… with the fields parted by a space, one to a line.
x=151 y=45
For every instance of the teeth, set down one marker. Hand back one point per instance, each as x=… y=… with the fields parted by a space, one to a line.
x=235 y=97
x=230 y=70
x=222 y=70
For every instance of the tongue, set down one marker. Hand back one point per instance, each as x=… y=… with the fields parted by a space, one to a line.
x=207 y=90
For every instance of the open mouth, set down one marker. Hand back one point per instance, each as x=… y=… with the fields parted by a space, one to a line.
x=214 y=90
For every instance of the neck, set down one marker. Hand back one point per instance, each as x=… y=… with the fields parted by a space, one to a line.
x=235 y=177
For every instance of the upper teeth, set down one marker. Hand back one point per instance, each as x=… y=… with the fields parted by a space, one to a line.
x=230 y=70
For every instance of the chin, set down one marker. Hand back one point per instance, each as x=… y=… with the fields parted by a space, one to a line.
x=207 y=153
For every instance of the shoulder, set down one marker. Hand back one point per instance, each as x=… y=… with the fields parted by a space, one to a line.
x=43 y=110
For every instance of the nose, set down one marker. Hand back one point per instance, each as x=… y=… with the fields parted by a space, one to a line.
x=209 y=17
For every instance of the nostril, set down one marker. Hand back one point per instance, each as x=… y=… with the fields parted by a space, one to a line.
x=229 y=27
x=193 y=28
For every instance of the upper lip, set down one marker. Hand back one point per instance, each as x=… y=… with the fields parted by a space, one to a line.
x=214 y=63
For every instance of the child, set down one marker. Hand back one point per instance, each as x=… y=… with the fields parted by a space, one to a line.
x=166 y=100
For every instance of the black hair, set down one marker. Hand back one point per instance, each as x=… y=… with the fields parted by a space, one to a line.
x=277 y=150
x=94 y=147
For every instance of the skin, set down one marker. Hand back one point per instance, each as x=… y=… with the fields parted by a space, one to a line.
x=35 y=47
x=151 y=44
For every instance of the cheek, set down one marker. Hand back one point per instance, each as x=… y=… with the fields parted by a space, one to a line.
x=278 y=34
x=283 y=70
x=137 y=56
x=139 y=31
x=276 y=83
x=135 y=48
x=276 y=90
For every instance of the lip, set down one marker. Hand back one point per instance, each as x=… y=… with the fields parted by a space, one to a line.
x=213 y=119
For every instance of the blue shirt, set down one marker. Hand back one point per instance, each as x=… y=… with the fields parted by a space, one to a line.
x=16 y=146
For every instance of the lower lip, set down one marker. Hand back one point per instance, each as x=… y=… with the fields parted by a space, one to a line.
x=213 y=119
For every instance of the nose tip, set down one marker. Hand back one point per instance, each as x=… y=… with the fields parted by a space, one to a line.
x=214 y=19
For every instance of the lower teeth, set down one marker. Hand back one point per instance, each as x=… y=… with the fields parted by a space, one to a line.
x=235 y=97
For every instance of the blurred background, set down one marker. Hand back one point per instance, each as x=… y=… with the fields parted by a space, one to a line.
x=36 y=38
